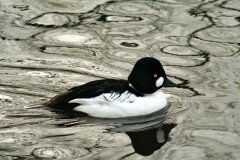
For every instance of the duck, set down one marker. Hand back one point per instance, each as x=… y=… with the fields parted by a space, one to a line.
x=139 y=95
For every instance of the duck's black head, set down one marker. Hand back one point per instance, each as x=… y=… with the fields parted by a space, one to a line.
x=148 y=75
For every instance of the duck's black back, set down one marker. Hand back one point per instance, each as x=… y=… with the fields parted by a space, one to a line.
x=89 y=90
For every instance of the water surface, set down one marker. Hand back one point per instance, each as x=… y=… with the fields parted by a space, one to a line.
x=49 y=46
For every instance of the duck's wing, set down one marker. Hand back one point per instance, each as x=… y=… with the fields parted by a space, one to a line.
x=89 y=90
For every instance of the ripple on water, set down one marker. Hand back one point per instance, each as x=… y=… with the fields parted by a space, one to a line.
x=132 y=8
x=225 y=137
x=58 y=153
x=128 y=43
x=63 y=6
x=125 y=20
x=213 y=48
x=219 y=12
x=220 y=34
x=164 y=40
x=132 y=30
x=81 y=52
x=181 y=50
x=85 y=66
x=64 y=36
x=222 y=82
x=183 y=73
x=49 y=20
x=120 y=64
x=233 y=4
x=180 y=61
x=5 y=98
x=224 y=85
x=12 y=28
x=183 y=152
x=224 y=21
x=182 y=2
x=180 y=92
x=222 y=17
x=126 y=55
x=122 y=19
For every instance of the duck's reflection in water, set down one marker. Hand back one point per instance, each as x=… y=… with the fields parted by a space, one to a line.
x=146 y=142
x=147 y=133
x=145 y=137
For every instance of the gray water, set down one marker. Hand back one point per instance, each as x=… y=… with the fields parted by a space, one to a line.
x=48 y=46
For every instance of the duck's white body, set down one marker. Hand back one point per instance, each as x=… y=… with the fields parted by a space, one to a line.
x=115 y=105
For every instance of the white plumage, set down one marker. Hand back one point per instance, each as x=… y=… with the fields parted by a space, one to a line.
x=115 y=105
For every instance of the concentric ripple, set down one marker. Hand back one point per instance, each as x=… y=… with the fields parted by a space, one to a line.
x=220 y=34
x=71 y=6
x=181 y=50
x=64 y=36
x=131 y=8
x=49 y=20
x=58 y=153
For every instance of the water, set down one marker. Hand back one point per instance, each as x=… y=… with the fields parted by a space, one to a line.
x=49 y=46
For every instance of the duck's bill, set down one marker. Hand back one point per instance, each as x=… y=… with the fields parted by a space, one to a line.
x=168 y=83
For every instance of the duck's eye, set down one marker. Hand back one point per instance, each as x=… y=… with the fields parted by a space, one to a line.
x=155 y=75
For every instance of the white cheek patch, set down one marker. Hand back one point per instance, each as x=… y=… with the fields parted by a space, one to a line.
x=159 y=82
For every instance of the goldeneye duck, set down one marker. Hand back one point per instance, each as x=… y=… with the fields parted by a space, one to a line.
x=112 y=98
